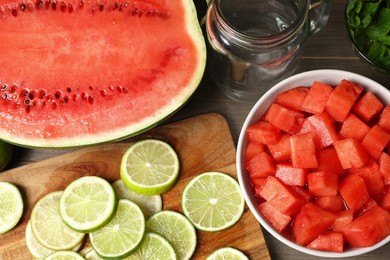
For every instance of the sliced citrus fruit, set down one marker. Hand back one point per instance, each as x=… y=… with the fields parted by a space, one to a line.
x=213 y=201
x=11 y=206
x=88 y=203
x=64 y=255
x=227 y=253
x=154 y=247
x=148 y=204
x=150 y=167
x=177 y=229
x=48 y=227
x=36 y=249
x=123 y=234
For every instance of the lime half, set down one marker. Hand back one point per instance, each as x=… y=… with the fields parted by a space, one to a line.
x=150 y=167
x=11 y=206
x=148 y=204
x=227 y=253
x=88 y=203
x=154 y=247
x=177 y=229
x=48 y=227
x=213 y=201
x=123 y=234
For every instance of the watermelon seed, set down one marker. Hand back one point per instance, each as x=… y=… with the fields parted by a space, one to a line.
x=75 y=97
x=4 y=96
x=68 y=89
x=12 y=89
x=41 y=94
x=66 y=99
x=26 y=102
x=90 y=100
x=103 y=93
x=54 y=6
x=81 y=4
x=28 y=109
x=14 y=12
x=63 y=7
x=101 y=7
x=4 y=87
x=58 y=94
x=23 y=6
x=70 y=8
x=31 y=95
x=90 y=88
x=84 y=96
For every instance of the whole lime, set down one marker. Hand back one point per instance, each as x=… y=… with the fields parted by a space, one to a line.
x=6 y=151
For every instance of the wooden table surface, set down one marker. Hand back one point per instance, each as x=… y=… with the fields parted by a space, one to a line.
x=328 y=49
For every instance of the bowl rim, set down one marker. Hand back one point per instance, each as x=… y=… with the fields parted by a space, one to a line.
x=335 y=76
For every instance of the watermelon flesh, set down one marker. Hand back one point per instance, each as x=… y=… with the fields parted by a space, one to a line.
x=81 y=72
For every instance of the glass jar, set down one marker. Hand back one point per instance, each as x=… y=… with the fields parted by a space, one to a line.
x=256 y=43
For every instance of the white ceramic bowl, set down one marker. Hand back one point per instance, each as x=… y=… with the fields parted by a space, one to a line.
x=331 y=77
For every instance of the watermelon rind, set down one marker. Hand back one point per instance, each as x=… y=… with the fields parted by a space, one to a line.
x=146 y=123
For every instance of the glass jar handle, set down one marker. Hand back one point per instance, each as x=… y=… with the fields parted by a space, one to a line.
x=318 y=14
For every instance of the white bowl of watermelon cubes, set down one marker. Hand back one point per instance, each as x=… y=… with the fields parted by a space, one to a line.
x=313 y=162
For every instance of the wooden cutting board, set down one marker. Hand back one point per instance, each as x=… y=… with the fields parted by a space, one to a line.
x=203 y=143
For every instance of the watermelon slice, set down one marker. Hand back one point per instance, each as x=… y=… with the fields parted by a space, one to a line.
x=82 y=72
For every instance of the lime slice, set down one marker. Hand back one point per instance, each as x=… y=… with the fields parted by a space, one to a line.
x=6 y=151
x=213 y=201
x=148 y=204
x=150 y=167
x=227 y=253
x=64 y=255
x=123 y=234
x=48 y=227
x=11 y=206
x=36 y=249
x=88 y=203
x=177 y=229
x=90 y=254
x=154 y=247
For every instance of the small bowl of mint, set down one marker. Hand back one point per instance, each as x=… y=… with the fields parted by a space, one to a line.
x=368 y=27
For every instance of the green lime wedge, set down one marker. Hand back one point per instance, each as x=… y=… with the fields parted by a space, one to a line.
x=154 y=247
x=150 y=167
x=148 y=204
x=227 y=253
x=48 y=227
x=11 y=206
x=213 y=201
x=64 y=255
x=88 y=203
x=123 y=234
x=177 y=229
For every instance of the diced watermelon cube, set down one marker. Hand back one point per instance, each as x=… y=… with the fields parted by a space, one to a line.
x=291 y=175
x=275 y=218
x=342 y=219
x=372 y=178
x=252 y=149
x=369 y=228
x=281 y=196
x=369 y=204
x=333 y=204
x=386 y=199
x=323 y=183
x=367 y=106
x=285 y=119
x=354 y=192
x=263 y=132
x=258 y=184
x=311 y=221
x=260 y=165
x=328 y=161
x=376 y=141
x=351 y=153
x=353 y=127
x=303 y=152
x=303 y=192
x=292 y=98
x=384 y=167
x=281 y=151
x=384 y=120
x=322 y=128
x=317 y=97
x=328 y=241
x=342 y=99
